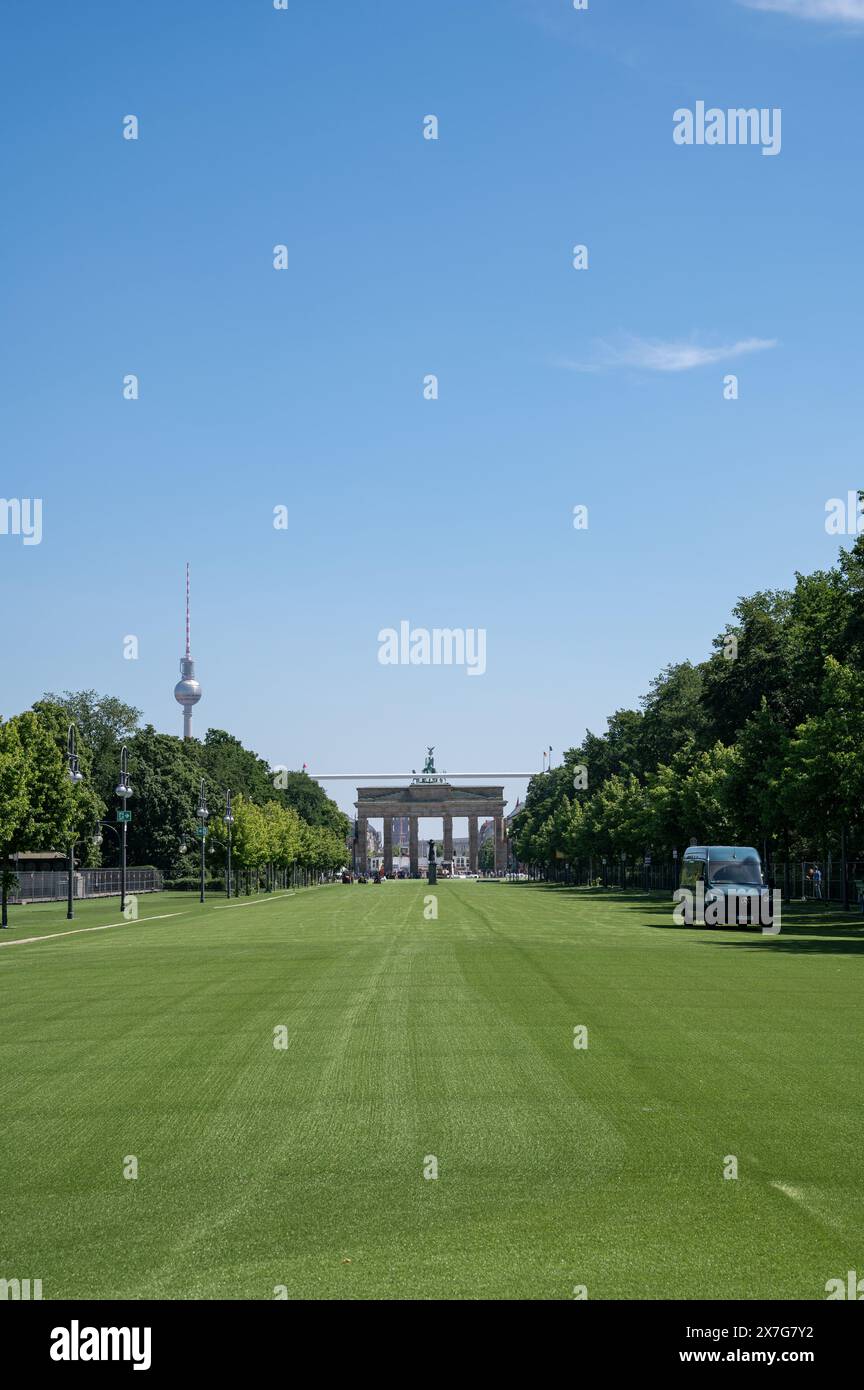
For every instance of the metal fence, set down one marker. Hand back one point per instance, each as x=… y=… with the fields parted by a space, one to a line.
x=797 y=881
x=820 y=880
x=647 y=878
x=53 y=885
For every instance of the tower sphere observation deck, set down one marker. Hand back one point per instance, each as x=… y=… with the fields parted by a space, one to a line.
x=187 y=691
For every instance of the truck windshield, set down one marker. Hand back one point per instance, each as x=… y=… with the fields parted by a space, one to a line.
x=744 y=871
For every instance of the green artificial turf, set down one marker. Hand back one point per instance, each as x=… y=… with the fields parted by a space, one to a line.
x=408 y=1038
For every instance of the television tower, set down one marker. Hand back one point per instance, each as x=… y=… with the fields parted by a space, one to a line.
x=187 y=691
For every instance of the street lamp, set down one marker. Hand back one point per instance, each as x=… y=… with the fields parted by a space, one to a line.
x=75 y=776
x=203 y=813
x=124 y=791
x=229 y=821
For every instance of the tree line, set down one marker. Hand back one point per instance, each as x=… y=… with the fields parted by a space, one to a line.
x=281 y=819
x=761 y=743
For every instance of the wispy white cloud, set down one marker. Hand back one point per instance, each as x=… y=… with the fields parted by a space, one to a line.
x=652 y=355
x=844 y=11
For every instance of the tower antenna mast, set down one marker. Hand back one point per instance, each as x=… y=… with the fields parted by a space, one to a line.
x=187 y=691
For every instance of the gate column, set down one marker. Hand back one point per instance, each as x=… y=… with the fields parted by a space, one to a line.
x=388 y=846
x=500 y=845
x=413 y=847
x=472 y=844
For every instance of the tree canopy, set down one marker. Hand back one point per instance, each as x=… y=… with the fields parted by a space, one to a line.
x=41 y=810
x=761 y=743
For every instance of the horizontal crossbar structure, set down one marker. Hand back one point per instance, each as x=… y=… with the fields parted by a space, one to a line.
x=398 y=776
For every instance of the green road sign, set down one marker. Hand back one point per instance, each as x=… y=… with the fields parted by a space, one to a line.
x=201 y=832
x=124 y=815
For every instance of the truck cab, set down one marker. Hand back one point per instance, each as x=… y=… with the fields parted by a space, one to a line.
x=727 y=885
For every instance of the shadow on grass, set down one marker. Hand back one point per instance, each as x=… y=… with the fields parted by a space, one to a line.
x=807 y=928
x=794 y=945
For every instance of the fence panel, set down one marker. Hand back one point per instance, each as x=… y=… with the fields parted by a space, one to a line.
x=796 y=880
x=51 y=885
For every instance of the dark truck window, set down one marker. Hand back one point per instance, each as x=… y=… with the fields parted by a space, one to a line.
x=692 y=871
x=744 y=871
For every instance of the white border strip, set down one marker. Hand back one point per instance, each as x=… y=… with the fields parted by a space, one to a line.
x=77 y=931
x=258 y=902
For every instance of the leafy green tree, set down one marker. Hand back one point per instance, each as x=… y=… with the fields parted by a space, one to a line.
x=101 y=719
x=104 y=723
x=570 y=830
x=486 y=856
x=621 y=749
x=89 y=806
x=617 y=818
x=823 y=780
x=249 y=837
x=289 y=837
x=763 y=742
x=41 y=812
x=165 y=783
x=323 y=849
x=706 y=800
x=669 y=822
x=225 y=763
x=851 y=571
x=531 y=839
x=674 y=715
x=563 y=830
x=755 y=778
x=13 y=805
x=282 y=832
x=751 y=661
x=308 y=798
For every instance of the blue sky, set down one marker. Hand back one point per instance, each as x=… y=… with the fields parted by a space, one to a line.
x=261 y=388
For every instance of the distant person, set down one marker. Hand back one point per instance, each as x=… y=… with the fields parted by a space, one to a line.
x=817 y=882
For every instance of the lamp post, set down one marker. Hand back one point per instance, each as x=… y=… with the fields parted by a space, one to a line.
x=229 y=821
x=75 y=776
x=203 y=813
x=124 y=791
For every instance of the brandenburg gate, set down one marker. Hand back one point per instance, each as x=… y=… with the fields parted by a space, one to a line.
x=430 y=796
